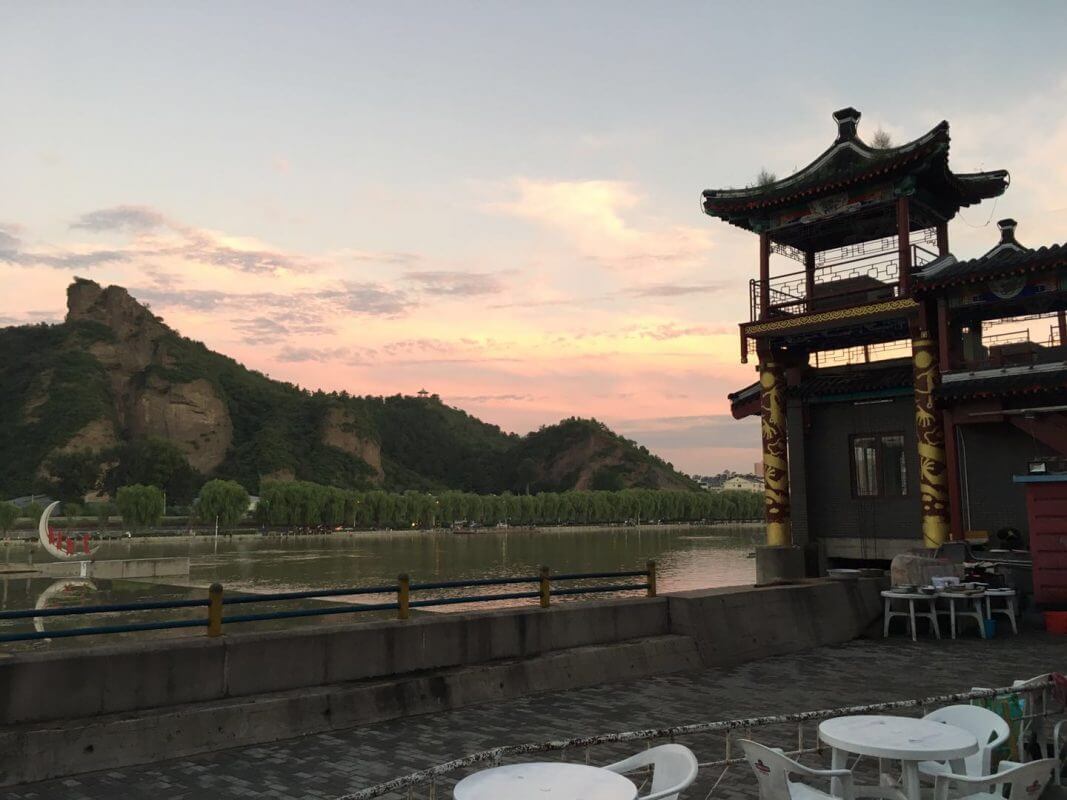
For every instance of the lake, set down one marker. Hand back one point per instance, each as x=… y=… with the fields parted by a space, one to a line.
x=687 y=558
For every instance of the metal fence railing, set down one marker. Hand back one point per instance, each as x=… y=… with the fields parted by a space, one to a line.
x=217 y=600
x=430 y=782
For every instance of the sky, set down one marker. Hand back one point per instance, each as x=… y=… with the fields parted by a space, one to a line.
x=495 y=201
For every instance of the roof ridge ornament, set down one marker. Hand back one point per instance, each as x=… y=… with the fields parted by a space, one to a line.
x=1007 y=242
x=847 y=120
x=1007 y=231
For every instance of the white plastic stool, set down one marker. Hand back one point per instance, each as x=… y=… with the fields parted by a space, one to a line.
x=1008 y=596
x=911 y=613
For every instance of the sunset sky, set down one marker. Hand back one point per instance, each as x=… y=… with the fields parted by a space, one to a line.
x=497 y=201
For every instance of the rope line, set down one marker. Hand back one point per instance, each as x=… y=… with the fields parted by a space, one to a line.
x=1040 y=684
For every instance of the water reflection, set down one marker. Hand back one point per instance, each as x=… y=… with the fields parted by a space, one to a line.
x=687 y=558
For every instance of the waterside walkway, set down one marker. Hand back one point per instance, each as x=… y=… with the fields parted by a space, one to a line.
x=329 y=765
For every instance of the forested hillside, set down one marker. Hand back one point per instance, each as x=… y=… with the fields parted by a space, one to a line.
x=113 y=396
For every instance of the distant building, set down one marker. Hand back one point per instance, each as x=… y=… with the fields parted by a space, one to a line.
x=25 y=500
x=730 y=481
x=743 y=483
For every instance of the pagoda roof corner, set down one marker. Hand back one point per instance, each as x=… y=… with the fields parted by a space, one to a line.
x=849 y=164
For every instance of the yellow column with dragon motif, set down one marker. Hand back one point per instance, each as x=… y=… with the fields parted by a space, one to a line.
x=933 y=474
x=775 y=454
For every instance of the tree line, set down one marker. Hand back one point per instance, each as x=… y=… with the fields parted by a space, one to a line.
x=302 y=504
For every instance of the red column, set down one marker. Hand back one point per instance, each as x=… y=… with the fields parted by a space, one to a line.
x=809 y=279
x=764 y=275
x=904 y=244
x=942 y=239
x=1061 y=319
x=952 y=467
x=943 y=344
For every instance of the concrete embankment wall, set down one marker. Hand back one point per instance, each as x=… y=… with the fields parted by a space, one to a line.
x=116 y=569
x=71 y=711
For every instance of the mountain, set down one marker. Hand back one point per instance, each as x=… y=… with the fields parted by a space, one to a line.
x=112 y=395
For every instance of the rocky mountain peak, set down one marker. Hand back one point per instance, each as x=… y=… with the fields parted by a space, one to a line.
x=114 y=307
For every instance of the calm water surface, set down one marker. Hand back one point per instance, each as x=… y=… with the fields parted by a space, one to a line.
x=687 y=558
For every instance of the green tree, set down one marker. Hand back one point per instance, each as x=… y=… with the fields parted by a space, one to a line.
x=102 y=512
x=608 y=479
x=74 y=474
x=155 y=462
x=33 y=511
x=8 y=514
x=226 y=501
x=526 y=473
x=140 y=505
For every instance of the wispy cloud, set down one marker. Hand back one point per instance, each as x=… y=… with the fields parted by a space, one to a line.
x=206 y=248
x=445 y=282
x=121 y=218
x=13 y=251
x=595 y=215
x=319 y=355
x=672 y=289
x=373 y=299
x=717 y=430
x=308 y=308
x=496 y=398
x=391 y=258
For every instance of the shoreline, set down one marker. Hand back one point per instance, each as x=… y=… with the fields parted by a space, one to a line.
x=282 y=534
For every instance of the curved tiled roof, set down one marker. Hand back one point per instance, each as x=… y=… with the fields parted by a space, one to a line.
x=949 y=272
x=848 y=162
x=1001 y=382
x=853 y=379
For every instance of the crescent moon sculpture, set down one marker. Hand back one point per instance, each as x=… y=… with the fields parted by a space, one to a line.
x=51 y=549
x=57 y=588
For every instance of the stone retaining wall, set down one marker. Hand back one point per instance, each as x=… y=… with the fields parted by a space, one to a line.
x=100 y=707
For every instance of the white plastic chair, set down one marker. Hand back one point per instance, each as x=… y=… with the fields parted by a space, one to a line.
x=988 y=728
x=773 y=767
x=674 y=768
x=1026 y=782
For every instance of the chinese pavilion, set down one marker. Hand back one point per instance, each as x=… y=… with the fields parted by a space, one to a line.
x=899 y=387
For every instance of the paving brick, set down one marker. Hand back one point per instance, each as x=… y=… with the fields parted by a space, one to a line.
x=329 y=765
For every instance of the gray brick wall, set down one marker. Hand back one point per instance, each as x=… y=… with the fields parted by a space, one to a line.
x=991 y=454
x=832 y=510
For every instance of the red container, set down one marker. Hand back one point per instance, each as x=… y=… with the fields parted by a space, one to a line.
x=1046 y=503
x=1056 y=622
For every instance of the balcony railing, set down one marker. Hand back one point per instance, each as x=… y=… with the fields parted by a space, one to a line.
x=863 y=354
x=856 y=280
x=1011 y=349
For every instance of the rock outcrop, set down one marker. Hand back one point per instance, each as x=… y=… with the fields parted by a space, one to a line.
x=341 y=430
x=191 y=415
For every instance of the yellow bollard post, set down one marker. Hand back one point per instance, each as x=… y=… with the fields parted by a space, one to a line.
x=214 y=610
x=545 y=589
x=651 y=578
x=403 y=595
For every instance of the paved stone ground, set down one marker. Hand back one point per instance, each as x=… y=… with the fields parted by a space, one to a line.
x=330 y=765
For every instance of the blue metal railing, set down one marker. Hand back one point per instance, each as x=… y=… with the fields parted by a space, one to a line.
x=216 y=601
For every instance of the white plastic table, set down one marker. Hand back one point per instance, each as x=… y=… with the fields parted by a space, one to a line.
x=545 y=781
x=911 y=598
x=977 y=612
x=905 y=739
x=1008 y=596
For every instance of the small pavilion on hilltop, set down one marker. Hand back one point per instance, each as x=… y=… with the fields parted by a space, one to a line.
x=900 y=388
